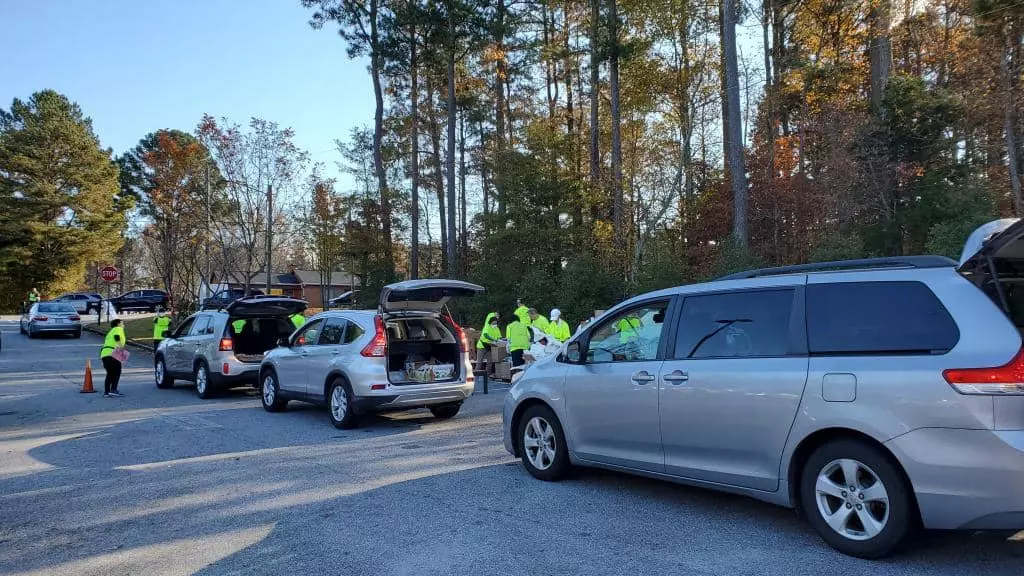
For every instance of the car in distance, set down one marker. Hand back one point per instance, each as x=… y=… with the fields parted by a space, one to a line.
x=404 y=355
x=876 y=395
x=84 y=302
x=51 y=318
x=219 y=349
x=142 y=301
x=227 y=296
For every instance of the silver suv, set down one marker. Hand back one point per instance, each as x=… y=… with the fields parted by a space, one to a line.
x=223 y=348
x=875 y=395
x=405 y=355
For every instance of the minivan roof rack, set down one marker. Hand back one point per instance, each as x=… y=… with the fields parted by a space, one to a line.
x=861 y=264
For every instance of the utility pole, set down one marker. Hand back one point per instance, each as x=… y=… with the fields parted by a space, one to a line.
x=270 y=223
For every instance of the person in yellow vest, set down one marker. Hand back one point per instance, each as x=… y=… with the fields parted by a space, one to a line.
x=557 y=327
x=537 y=321
x=628 y=329
x=489 y=334
x=518 y=335
x=522 y=312
x=238 y=325
x=114 y=339
x=161 y=324
x=297 y=320
x=33 y=297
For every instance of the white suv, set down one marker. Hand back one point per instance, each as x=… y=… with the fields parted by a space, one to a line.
x=404 y=355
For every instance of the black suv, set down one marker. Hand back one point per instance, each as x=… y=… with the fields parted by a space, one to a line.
x=225 y=297
x=148 y=300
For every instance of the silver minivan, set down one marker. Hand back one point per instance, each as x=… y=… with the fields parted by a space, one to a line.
x=877 y=396
x=406 y=354
x=219 y=349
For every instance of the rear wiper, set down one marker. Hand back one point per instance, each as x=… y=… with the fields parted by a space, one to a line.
x=724 y=324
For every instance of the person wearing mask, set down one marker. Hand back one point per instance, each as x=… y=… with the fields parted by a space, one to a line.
x=488 y=336
x=557 y=327
x=522 y=312
x=297 y=320
x=161 y=324
x=518 y=335
x=114 y=339
x=537 y=321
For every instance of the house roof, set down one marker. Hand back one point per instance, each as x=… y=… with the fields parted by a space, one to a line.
x=338 y=278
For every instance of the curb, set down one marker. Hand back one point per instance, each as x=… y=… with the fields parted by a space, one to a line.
x=132 y=343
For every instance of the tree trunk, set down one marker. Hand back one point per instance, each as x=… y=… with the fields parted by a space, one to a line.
x=500 y=78
x=618 y=219
x=595 y=100
x=450 y=156
x=723 y=78
x=463 y=236
x=881 y=53
x=737 y=169
x=414 y=96
x=1010 y=128
x=435 y=140
x=376 y=69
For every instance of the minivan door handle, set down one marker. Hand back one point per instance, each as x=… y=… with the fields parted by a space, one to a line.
x=642 y=377
x=676 y=377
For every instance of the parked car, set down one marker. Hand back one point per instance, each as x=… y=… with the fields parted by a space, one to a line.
x=875 y=395
x=225 y=297
x=344 y=299
x=51 y=318
x=84 y=302
x=142 y=300
x=219 y=349
x=358 y=361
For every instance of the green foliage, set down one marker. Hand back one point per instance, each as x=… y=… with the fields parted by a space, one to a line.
x=60 y=207
x=839 y=246
x=733 y=257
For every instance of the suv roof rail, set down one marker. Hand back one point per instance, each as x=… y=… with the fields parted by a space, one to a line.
x=861 y=264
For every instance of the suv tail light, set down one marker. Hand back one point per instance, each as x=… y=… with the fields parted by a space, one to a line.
x=40 y=318
x=74 y=318
x=378 y=347
x=1001 y=380
x=226 y=345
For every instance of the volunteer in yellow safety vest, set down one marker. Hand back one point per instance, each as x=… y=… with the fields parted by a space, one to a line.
x=489 y=334
x=297 y=320
x=537 y=321
x=628 y=329
x=522 y=312
x=557 y=327
x=161 y=324
x=518 y=335
x=114 y=339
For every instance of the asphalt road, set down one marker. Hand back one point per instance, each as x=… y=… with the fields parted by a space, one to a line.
x=160 y=482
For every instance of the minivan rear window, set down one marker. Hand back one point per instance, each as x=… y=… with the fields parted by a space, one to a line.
x=877 y=318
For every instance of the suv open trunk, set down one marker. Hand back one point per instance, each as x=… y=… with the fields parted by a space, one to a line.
x=417 y=340
x=258 y=335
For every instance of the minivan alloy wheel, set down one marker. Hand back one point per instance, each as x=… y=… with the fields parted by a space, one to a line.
x=852 y=499
x=539 y=443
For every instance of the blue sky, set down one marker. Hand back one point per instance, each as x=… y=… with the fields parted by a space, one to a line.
x=138 y=66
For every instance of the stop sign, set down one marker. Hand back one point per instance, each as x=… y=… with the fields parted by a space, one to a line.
x=110 y=274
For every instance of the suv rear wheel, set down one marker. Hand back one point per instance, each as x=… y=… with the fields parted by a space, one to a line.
x=202 y=379
x=446 y=411
x=857 y=499
x=339 y=404
x=270 y=393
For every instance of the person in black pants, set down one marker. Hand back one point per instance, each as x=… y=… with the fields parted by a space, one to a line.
x=114 y=339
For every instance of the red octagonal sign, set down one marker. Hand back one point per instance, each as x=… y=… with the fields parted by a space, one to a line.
x=110 y=274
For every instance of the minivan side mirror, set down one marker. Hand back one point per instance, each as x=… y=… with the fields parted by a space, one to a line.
x=283 y=342
x=573 y=353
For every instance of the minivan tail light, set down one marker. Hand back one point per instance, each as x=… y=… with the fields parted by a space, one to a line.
x=460 y=334
x=378 y=347
x=999 y=381
x=226 y=345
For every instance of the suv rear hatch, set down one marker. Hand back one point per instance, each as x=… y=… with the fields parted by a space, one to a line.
x=993 y=260
x=256 y=324
x=423 y=346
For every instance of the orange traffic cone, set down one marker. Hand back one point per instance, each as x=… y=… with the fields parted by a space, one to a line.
x=87 y=384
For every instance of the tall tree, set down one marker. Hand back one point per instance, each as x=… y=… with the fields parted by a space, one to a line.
x=60 y=204
x=360 y=25
x=737 y=167
x=614 y=49
x=881 y=52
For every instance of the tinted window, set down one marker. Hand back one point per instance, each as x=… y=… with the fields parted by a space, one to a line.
x=54 y=308
x=353 y=332
x=877 y=318
x=628 y=336
x=200 y=326
x=309 y=333
x=184 y=328
x=333 y=332
x=735 y=325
